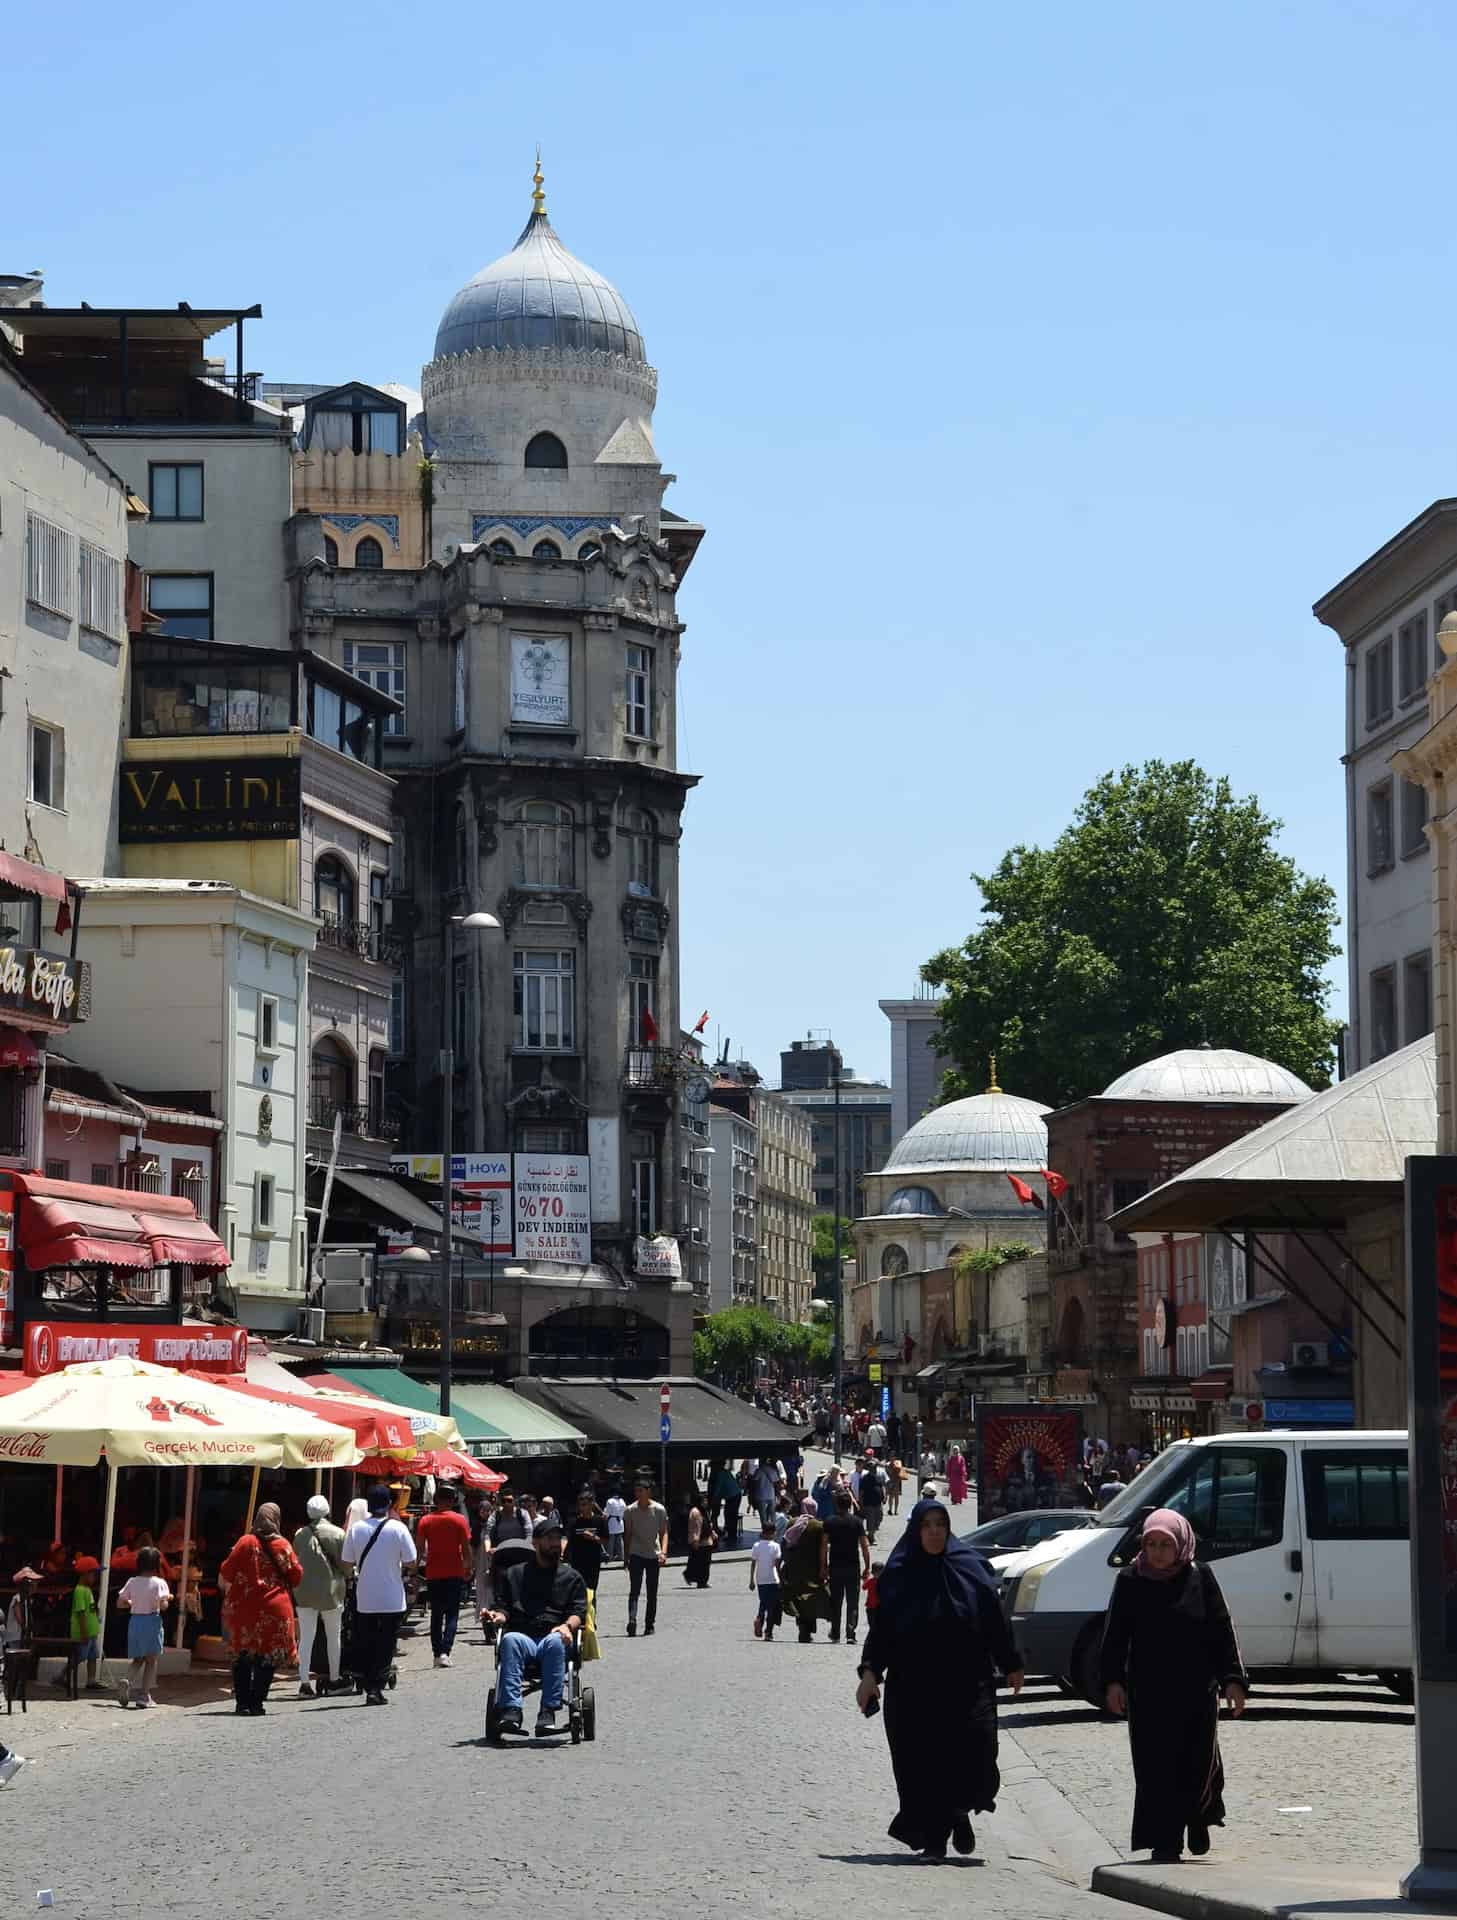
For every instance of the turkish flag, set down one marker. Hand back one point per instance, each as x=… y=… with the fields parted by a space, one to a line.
x=702 y=1021
x=1025 y=1194
x=649 y=1029
x=1056 y=1185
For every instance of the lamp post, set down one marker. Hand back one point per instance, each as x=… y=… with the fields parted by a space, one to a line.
x=839 y=1270
x=471 y=923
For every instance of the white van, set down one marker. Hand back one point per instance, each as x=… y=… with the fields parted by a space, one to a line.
x=1306 y=1531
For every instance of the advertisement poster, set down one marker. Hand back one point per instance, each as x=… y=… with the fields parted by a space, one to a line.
x=553 y=1207
x=481 y=1198
x=1026 y=1457
x=541 y=688
x=1447 y=1403
x=657 y=1258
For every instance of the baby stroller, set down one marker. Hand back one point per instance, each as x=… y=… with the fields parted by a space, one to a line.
x=580 y=1702
x=350 y=1671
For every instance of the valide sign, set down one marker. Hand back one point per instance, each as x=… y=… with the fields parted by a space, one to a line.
x=221 y=799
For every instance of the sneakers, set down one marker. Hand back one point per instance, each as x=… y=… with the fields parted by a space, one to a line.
x=849 y=1639
x=631 y=1629
x=10 y=1767
x=646 y=1631
x=442 y=1659
x=375 y=1700
x=510 y=1720
x=550 y=1720
x=305 y=1691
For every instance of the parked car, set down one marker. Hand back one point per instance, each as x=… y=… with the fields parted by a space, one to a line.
x=1308 y=1534
x=1014 y=1533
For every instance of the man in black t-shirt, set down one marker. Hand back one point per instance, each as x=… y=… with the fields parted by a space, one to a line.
x=844 y=1561
x=542 y=1604
x=587 y=1544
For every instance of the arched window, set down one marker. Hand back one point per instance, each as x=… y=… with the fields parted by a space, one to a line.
x=545 y=450
x=331 y=1082
x=543 y=845
x=331 y=551
x=369 y=553
x=589 y=550
x=503 y=550
x=333 y=892
x=893 y=1262
x=641 y=831
x=546 y=550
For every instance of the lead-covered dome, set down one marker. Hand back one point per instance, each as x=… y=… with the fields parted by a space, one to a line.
x=539 y=296
x=989 y=1133
x=1210 y=1073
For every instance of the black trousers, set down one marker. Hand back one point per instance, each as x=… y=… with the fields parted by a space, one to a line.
x=844 y=1596
x=252 y=1677
x=731 y=1522
x=376 y=1634
x=639 y=1567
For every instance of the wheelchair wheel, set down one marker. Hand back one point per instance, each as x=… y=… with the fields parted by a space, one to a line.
x=493 y=1721
x=589 y=1714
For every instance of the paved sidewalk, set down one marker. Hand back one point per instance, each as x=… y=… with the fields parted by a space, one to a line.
x=1255 y=1890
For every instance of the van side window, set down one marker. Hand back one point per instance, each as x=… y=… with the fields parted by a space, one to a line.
x=1352 y=1495
x=1235 y=1501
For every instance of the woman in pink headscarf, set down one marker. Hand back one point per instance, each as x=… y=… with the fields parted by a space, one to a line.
x=1168 y=1651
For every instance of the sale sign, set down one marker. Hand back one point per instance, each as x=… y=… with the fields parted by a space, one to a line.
x=553 y=1207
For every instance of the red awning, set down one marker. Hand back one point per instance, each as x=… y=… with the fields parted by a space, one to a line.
x=64 y=1223
x=179 y=1242
x=18 y=1050
x=22 y=876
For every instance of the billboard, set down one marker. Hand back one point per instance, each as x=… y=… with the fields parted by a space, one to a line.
x=1026 y=1457
x=481 y=1198
x=553 y=1207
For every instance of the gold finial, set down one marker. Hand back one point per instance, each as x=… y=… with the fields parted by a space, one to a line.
x=993 y=1087
x=538 y=198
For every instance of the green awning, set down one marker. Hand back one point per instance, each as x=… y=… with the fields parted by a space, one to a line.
x=388 y=1383
x=530 y=1432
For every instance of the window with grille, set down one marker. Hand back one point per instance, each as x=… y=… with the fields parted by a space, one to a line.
x=642 y=852
x=543 y=845
x=100 y=591
x=640 y=692
x=381 y=667
x=49 y=564
x=1378 y=682
x=544 y=988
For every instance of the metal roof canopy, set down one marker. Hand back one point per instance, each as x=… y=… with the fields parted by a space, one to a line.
x=182 y=322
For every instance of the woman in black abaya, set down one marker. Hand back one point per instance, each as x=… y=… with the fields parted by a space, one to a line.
x=938 y=1639
x=1168 y=1648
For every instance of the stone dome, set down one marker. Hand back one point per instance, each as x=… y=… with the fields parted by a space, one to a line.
x=988 y=1133
x=539 y=296
x=1210 y=1073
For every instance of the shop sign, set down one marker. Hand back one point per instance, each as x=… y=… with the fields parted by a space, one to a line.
x=213 y=799
x=553 y=1207
x=53 y=1344
x=874 y=1373
x=541 y=690
x=657 y=1258
x=1309 y=1413
x=48 y=985
x=481 y=1198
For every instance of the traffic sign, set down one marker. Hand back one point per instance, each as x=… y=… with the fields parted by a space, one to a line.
x=665 y=1397
x=665 y=1429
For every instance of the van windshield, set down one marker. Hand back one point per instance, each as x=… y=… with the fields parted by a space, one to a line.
x=1149 y=1489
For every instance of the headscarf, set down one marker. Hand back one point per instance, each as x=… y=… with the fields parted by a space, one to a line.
x=807 y=1511
x=1164 y=1520
x=917 y=1586
x=267 y=1521
x=357 y=1510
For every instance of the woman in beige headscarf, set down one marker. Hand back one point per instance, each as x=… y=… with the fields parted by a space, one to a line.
x=257 y=1578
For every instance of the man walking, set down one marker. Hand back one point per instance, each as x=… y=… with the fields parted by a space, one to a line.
x=844 y=1562
x=542 y=1605
x=875 y=1439
x=378 y=1549
x=871 y=1494
x=645 y=1535
x=444 y=1540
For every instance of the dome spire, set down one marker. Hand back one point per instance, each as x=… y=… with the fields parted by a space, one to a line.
x=992 y=1086
x=538 y=198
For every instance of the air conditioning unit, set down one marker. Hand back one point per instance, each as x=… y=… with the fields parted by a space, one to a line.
x=314 y=1329
x=346 y=1296
x=350 y=1265
x=1310 y=1353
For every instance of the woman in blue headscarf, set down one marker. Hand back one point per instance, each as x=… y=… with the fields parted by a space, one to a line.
x=937 y=1641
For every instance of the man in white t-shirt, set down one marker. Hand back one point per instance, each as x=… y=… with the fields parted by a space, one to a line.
x=615 y=1510
x=379 y=1549
x=764 y=1559
x=875 y=1438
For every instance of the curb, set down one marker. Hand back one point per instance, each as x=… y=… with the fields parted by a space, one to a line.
x=1250 y=1896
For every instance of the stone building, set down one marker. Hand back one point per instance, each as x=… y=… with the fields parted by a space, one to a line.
x=359 y=463
x=807 y=1073
x=734 y=1266
x=786 y=1208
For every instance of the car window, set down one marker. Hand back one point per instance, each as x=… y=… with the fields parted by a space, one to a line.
x=1045 y=1529
x=1233 y=1498
x=1000 y=1533
x=1356 y=1496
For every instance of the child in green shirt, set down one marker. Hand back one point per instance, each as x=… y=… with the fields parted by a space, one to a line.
x=86 y=1622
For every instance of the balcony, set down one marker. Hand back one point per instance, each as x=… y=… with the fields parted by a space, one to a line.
x=366 y=1121
x=360 y=938
x=651 y=1070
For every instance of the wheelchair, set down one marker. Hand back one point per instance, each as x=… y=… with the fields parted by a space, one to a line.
x=579 y=1702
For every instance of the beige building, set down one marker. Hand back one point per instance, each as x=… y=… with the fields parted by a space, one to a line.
x=786 y=1208
x=359 y=464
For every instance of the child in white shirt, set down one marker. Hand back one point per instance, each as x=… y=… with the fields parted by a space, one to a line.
x=764 y=1558
x=144 y=1597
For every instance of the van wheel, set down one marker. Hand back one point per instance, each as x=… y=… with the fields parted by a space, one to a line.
x=1400 y=1682
x=1085 y=1663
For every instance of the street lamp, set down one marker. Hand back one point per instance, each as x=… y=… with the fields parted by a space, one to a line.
x=839 y=1270
x=469 y=923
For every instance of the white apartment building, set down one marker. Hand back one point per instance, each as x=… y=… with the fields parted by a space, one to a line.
x=786 y=1207
x=734 y=1263
x=1386 y=614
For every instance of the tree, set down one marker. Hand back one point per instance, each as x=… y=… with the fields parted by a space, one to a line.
x=729 y=1345
x=1163 y=917
x=822 y=1253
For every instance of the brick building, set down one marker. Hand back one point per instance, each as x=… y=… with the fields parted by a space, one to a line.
x=1111 y=1148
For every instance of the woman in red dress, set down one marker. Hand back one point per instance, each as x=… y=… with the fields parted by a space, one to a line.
x=257 y=1579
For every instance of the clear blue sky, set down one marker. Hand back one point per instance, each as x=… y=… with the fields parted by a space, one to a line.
x=1034 y=368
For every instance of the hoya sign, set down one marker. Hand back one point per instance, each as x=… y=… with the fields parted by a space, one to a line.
x=553 y=1207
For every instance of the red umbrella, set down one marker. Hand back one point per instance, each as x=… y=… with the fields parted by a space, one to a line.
x=445 y=1463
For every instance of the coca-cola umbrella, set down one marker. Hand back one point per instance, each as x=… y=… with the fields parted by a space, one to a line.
x=444 y=1463
x=380 y=1430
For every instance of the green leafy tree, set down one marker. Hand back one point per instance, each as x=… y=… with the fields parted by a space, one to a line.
x=1163 y=917
x=822 y=1251
x=729 y=1345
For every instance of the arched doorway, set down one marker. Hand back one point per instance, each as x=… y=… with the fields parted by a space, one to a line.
x=599 y=1340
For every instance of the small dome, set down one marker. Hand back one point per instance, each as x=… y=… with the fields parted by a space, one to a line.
x=913 y=1200
x=990 y=1132
x=539 y=296
x=1210 y=1073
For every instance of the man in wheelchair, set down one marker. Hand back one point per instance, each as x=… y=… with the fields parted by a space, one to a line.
x=542 y=1604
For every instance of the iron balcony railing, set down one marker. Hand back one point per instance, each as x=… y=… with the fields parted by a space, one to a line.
x=653 y=1069
x=359 y=937
x=367 y=1121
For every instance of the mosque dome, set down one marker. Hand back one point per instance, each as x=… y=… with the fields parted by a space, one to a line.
x=539 y=296
x=989 y=1133
x=1210 y=1073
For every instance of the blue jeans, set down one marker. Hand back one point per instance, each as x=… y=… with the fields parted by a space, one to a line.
x=516 y=1650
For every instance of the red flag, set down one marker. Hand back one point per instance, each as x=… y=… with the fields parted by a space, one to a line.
x=649 y=1029
x=702 y=1021
x=63 y=916
x=1025 y=1194
x=1056 y=1185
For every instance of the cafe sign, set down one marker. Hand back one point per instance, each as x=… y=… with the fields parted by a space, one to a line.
x=214 y=799
x=46 y=985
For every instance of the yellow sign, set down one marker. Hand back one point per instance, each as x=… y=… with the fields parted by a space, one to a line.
x=875 y=1373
